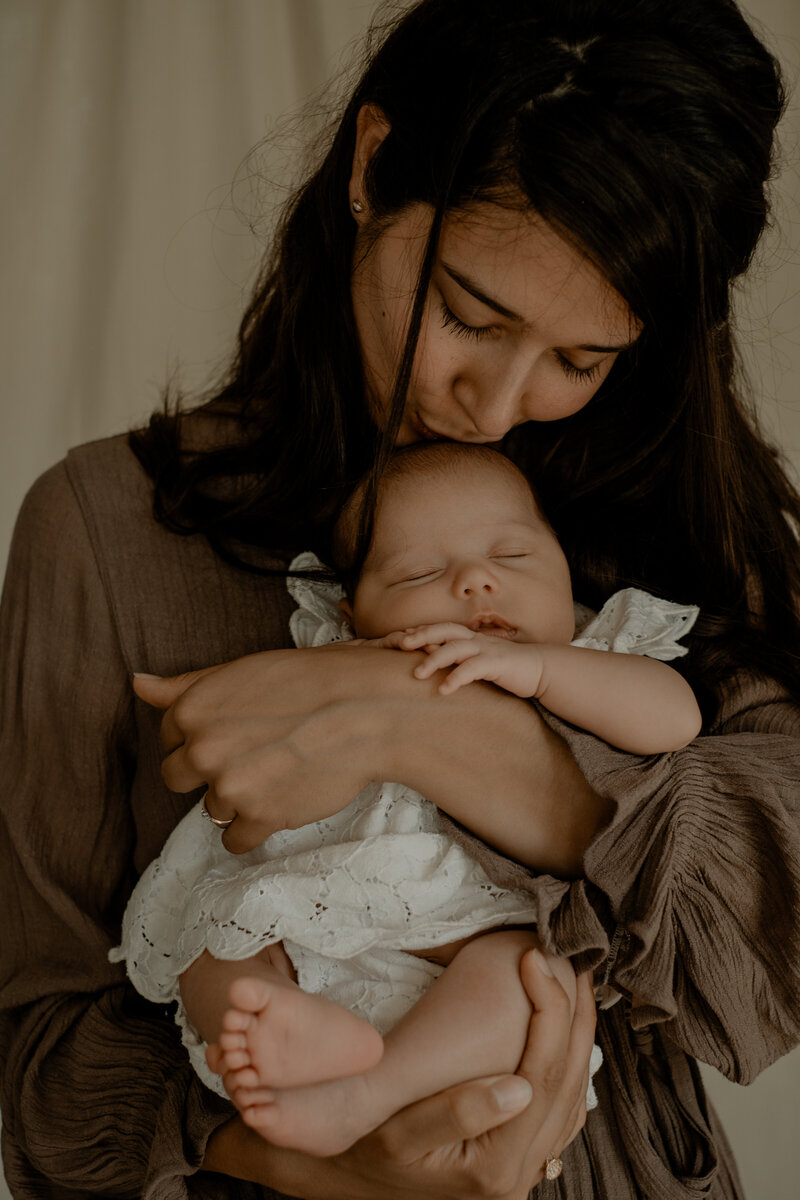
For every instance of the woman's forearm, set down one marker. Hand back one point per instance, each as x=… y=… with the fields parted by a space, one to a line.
x=287 y=737
x=490 y=762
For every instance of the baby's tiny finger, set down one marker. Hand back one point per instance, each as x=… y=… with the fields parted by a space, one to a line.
x=466 y=672
x=413 y=639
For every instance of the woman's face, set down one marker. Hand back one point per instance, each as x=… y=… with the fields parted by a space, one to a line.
x=517 y=325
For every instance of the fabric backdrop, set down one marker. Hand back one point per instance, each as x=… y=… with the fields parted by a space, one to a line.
x=131 y=221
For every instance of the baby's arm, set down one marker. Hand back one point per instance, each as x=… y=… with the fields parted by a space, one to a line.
x=636 y=703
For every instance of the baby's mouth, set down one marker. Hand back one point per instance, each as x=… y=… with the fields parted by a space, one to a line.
x=492 y=625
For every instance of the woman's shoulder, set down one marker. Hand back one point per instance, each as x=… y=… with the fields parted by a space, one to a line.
x=60 y=507
x=176 y=604
x=90 y=477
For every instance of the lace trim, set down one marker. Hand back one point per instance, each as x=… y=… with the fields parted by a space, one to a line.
x=630 y=622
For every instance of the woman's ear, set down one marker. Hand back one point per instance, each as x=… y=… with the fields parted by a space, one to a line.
x=371 y=128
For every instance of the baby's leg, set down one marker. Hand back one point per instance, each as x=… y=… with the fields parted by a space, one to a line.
x=296 y=1038
x=473 y=1021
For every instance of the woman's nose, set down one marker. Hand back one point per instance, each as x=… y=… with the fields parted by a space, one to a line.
x=496 y=403
x=475 y=579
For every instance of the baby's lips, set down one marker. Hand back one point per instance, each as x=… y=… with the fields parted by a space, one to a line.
x=486 y=621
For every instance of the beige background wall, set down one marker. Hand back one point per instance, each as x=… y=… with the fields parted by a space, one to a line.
x=123 y=124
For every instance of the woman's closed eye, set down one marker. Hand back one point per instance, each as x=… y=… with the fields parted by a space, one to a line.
x=579 y=374
x=478 y=332
x=461 y=329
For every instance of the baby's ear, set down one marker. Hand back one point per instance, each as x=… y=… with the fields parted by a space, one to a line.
x=346 y=609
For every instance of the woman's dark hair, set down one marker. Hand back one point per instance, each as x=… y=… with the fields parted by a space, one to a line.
x=642 y=132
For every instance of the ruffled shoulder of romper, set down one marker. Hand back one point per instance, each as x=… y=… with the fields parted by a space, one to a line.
x=630 y=622
x=317 y=620
x=634 y=622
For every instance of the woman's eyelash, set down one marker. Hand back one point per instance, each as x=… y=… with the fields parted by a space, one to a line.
x=476 y=332
x=579 y=374
x=460 y=329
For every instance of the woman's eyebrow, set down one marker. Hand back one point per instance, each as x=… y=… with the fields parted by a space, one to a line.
x=470 y=286
x=474 y=290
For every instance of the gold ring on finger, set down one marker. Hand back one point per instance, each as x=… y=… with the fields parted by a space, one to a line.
x=214 y=820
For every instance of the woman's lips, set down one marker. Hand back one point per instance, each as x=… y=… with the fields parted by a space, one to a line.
x=425 y=432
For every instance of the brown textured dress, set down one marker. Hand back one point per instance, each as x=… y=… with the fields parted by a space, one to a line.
x=698 y=875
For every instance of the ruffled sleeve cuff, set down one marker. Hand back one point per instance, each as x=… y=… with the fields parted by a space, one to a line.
x=690 y=894
x=634 y=622
x=317 y=620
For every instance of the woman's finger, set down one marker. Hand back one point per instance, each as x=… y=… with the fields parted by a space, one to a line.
x=217 y=812
x=550 y=1076
x=554 y=1062
x=456 y=1115
x=163 y=690
x=176 y=770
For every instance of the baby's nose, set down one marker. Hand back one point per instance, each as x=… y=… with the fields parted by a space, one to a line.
x=475 y=579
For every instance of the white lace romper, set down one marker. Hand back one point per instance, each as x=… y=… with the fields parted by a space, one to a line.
x=349 y=895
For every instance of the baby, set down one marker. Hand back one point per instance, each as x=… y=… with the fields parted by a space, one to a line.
x=278 y=956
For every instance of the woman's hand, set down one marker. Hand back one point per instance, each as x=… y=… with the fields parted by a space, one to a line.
x=287 y=737
x=487 y=1138
x=280 y=738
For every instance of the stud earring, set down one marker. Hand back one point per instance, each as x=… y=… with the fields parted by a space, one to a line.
x=357 y=206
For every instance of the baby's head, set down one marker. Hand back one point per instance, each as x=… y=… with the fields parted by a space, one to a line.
x=458 y=536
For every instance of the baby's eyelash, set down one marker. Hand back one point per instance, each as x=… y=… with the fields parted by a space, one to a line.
x=579 y=374
x=460 y=329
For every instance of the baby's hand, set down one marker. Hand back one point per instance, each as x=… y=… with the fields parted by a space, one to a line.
x=515 y=667
x=390 y=641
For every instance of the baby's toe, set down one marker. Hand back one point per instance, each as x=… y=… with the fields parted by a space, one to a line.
x=249 y=995
x=236 y=1021
x=244 y=1097
x=236 y=1060
x=232 y=1039
x=241 y=1077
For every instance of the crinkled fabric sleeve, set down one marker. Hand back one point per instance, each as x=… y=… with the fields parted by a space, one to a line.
x=97 y=1095
x=691 y=893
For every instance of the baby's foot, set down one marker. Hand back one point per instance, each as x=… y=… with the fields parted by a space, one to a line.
x=276 y=1035
x=322 y=1119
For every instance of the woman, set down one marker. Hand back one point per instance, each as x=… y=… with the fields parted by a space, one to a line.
x=526 y=230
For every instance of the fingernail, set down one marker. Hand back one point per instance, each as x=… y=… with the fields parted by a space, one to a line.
x=512 y=1093
x=542 y=964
